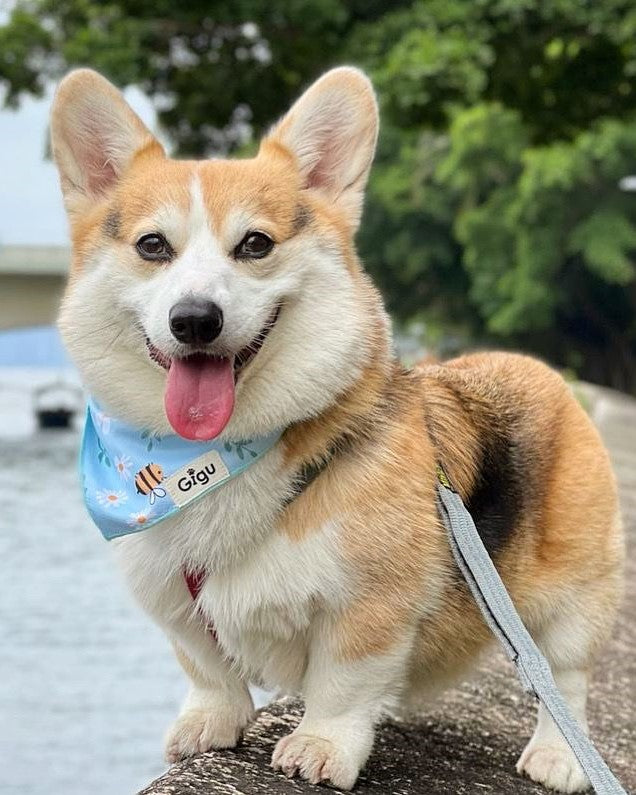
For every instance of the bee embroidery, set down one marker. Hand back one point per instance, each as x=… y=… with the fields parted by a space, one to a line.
x=147 y=481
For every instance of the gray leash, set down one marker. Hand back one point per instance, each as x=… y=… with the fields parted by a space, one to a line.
x=499 y=612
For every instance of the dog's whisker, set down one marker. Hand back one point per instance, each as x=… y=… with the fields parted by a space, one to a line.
x=95 y=331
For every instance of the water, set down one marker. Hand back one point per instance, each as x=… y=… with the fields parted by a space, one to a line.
x=88 y=685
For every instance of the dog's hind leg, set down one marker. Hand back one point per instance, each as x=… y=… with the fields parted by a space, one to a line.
x=570 y=641
x=547 y=758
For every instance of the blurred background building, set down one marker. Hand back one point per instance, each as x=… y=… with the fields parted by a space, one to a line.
x=32 y=280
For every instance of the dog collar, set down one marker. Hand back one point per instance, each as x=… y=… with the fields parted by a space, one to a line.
x=132 y=478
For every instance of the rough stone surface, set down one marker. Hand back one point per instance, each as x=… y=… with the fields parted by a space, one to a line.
x=470 y=739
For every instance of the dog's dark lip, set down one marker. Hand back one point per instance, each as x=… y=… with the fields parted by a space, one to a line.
x=242 y=358
x=245 y=355
x=157 y=356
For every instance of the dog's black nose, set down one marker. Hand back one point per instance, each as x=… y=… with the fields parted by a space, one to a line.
x=195 y=322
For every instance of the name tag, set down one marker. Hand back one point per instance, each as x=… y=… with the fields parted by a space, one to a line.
x=195 y=478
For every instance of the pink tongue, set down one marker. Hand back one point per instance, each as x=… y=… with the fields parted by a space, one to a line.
x=199 y=396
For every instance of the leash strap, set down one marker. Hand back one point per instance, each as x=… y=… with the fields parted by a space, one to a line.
x=501 y=616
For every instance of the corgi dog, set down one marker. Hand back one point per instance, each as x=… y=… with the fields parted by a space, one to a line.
x=223 y=299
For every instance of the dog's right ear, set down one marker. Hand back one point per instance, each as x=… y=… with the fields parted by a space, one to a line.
x=95 y=136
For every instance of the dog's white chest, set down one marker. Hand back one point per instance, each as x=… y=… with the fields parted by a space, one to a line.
x=262 y=607
x=261 y=588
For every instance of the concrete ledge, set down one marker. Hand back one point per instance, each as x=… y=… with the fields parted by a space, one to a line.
x=468 y=742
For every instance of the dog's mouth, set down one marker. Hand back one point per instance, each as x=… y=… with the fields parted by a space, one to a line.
x=199 y=396
x=247 y=354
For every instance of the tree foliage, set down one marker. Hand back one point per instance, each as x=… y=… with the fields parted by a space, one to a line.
x=494 y=210
x=209 y=65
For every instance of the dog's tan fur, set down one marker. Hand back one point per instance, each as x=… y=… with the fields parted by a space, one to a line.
x=509 y=433
x=564 y=537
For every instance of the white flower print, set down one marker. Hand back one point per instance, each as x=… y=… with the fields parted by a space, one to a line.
x=111 y=498
x=122 y=466
x=139 y=519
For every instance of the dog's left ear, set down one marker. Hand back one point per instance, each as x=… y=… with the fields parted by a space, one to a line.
x=331 y=131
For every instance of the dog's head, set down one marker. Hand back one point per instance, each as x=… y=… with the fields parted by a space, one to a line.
x=217 y=296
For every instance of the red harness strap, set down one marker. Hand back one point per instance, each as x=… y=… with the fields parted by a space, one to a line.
x=194 y=581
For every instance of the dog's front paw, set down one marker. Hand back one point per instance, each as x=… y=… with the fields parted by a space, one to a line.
x=315 y=759
x=199 y=729
x=554 y=766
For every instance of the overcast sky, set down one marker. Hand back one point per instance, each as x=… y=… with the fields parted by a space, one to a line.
x=30 y=202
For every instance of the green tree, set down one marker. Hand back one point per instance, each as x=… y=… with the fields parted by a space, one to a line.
x=211 y=65
x=493 y=208
x=496 y=208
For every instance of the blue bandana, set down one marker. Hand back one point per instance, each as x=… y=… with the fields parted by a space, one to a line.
x=133 y=478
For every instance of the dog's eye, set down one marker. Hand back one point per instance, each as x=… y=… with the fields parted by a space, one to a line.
x=154 y=247
x=254 y=246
